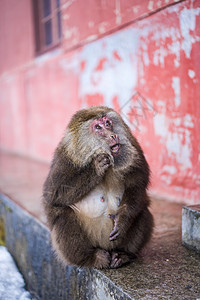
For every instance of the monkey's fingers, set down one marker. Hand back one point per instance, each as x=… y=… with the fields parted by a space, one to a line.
x=112 y=216
x=103 y=158
x=114 y=234
x=102 y=163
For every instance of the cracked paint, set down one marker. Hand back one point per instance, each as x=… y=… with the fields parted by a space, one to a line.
x=176 y=88
x=99 y=76
x=191 y=74
x=118 y=12
x=187 y=26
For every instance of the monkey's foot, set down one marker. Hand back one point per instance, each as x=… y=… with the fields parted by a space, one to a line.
x=102 y=259
x=118 y=259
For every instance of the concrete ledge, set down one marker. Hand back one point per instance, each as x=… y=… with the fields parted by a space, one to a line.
x=29 y=243
x=191 y=227
x=166 y=270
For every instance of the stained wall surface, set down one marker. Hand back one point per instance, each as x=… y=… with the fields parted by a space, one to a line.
x=142 y=60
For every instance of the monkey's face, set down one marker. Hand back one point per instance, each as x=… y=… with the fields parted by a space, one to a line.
x=99 y=130
x=103 y=128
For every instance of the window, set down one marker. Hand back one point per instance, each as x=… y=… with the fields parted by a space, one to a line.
x=47 y=18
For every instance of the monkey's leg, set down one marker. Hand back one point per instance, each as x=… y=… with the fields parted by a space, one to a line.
x=139 y=233
x=134 y=240
x=71 y=241
x=118 y=257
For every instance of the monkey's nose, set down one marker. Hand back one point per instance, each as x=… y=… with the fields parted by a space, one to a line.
x=115 y=138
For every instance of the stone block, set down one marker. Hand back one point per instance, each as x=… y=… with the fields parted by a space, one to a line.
x=191 y=227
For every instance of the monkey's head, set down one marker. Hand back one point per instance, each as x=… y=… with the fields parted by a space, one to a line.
x=99 y=129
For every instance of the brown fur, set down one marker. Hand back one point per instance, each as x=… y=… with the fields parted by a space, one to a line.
x=86 y=232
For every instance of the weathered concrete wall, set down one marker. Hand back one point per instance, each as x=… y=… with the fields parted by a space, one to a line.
x=149 y=71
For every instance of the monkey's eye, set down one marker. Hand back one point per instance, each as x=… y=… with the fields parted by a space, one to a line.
x=108 y=123
x=97 y=126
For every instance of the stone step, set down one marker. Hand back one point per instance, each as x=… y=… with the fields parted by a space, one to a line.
x=191 y=227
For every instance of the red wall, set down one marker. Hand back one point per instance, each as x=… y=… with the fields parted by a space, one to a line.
x=144 y=61
x=16 y=34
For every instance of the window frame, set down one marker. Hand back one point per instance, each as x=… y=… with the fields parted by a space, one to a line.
x=39 y=20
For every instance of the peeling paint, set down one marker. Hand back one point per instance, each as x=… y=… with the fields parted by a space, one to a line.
x=176 y=87
x=191 y=74
x=182 y=151
x=68 y=4
x=90 y=24
x=113 y=56
x=177 y=121
x=166 y=179
x=161 y=35
x=135 y=9
x=146 y=58
x=175 y=48
x=159 y=56
x=178 y=144
x=150 y=5
x=188 y=123
x=69 y=33
x=91 y=38
x=103 y=27
x=170 y=169
x=159 y=3
x=118 y=12
x=160 y=125
x=187 y=26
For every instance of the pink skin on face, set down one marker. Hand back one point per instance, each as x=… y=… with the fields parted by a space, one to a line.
x=104 y=127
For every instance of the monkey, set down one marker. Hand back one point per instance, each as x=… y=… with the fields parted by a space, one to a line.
x=95 y=195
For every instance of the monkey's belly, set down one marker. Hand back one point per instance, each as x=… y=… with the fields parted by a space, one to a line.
x=98 y=230
x=93 y=212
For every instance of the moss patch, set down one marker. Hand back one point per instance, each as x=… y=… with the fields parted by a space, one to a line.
x=2 y=233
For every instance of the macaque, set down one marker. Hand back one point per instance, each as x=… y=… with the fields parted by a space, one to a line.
x=95 y=195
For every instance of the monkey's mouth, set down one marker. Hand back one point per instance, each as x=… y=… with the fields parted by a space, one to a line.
x=115 y=148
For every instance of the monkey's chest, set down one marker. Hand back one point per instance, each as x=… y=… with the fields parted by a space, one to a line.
x=100 y=202
x=94 y=210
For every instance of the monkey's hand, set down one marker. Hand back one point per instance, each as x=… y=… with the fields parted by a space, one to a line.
x=115 y=233
x=102 y=163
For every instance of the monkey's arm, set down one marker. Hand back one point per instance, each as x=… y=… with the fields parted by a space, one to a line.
x=67 y=183
x=134 y=201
